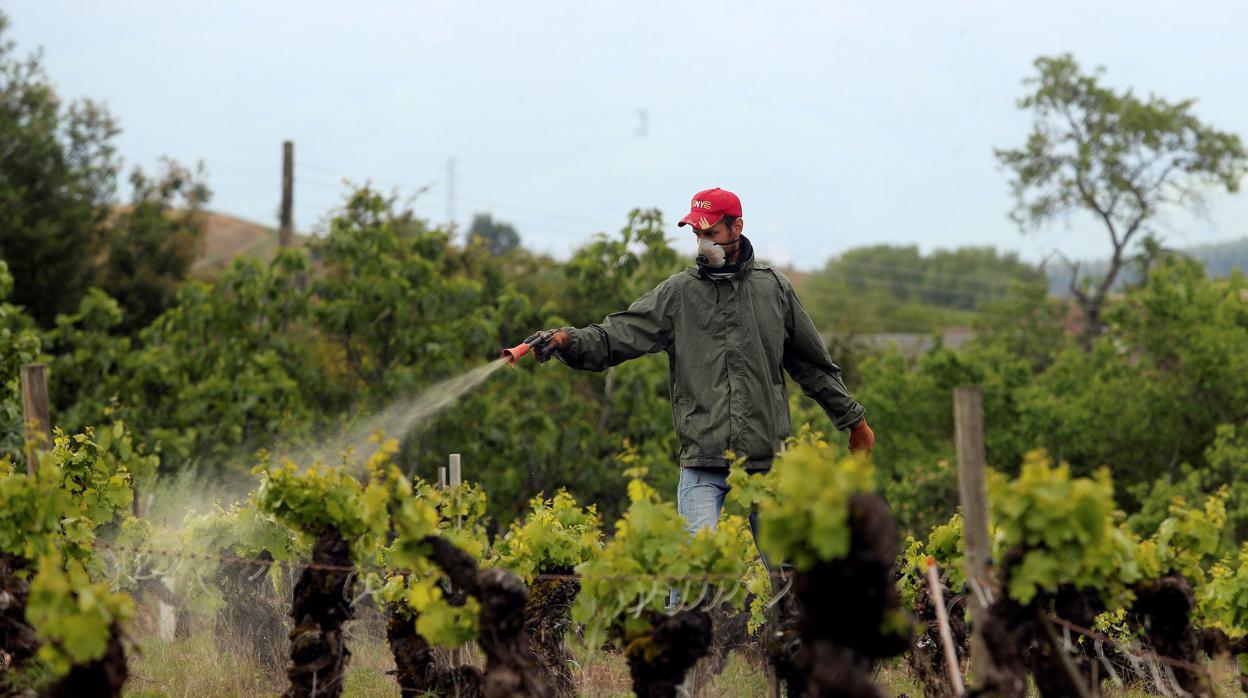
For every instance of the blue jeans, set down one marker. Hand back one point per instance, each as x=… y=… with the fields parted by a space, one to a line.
x=700 y=499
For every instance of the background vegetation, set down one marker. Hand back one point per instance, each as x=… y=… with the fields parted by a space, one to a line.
x=383 y=305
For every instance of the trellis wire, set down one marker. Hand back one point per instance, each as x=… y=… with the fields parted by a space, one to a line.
x=1137 y=656
x=226 y=557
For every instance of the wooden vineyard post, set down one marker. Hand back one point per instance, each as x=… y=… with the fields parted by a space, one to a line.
x=455 y=473
x=456 y=480
x=968 y=419
x=35 y=412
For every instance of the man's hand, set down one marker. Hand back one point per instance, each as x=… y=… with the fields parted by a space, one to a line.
x=861 y=438
x=547 y=343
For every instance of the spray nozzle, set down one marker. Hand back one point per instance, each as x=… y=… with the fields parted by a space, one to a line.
x=539 y=343
x=513 y=354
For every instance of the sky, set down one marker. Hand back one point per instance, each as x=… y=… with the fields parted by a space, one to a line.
x=839 y=124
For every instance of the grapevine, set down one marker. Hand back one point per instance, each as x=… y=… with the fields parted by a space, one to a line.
x=55 y=610
x=625 y=591
x=819 y=512
x=553 y=539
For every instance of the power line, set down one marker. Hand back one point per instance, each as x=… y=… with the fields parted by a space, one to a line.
x=270 y=190
x=535 y=212
x=304 y=165
x=261 y=180
x=345 y=180
x=181 y=554
x=304 y=179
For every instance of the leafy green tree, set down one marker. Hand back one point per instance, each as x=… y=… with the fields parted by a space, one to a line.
x=233 y=366
x=19 y=345
x=960 y=278
x=150 y=245
x=498 y=236
x=910 y=406
x=1028 y=324
x=890 y=288
x=1151 y=392
x=1119 y=157
x=88 y=361
x=400 y=305
x=1103 y=407
x=1224 y=468
x=610 y=273
x=58 y=172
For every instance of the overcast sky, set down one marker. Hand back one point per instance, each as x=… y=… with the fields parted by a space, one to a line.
x=839 y=124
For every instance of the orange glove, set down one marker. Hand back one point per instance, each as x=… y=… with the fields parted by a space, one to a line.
x=861 y=438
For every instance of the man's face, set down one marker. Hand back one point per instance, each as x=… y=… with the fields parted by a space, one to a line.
x=721 y=234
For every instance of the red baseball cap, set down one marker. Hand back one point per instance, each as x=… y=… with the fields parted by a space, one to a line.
x=709 y=206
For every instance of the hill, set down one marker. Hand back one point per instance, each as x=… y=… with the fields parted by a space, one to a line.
x=227 y=237
x=1219 y=258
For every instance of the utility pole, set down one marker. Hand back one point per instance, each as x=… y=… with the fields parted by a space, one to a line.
x=968 y=421
x=286 y=233
x=450 y=195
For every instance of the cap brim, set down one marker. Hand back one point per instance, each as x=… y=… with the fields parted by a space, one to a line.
x=700 y=220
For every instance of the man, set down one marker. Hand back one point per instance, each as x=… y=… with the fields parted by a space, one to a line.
x=729 y=326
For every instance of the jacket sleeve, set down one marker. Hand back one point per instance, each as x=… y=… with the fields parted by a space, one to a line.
x=642 y=329
x=807 y=360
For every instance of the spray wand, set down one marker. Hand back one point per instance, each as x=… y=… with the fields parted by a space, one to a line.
x=538 y=343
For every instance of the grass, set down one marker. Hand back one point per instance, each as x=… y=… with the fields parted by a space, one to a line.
x=196 y=668
x=605 y=675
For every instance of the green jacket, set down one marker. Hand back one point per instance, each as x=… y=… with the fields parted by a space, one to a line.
x=727 y=340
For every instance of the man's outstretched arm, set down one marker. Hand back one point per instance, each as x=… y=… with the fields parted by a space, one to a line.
x=807 y=360
x=642 y=329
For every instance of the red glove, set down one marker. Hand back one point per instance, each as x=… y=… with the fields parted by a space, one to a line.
x=861 y=438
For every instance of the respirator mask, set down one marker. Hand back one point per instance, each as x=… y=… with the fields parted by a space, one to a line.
x=710 y=254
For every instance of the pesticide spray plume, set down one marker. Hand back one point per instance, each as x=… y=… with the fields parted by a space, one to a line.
x=355 y=442
x=199 y=487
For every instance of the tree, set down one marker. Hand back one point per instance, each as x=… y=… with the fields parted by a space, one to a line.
x=57 y=176
x=893 y=288
x=149 y=246
x=499 y=236
x=19 y=345
x=1120 y=157
x=391 y=298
